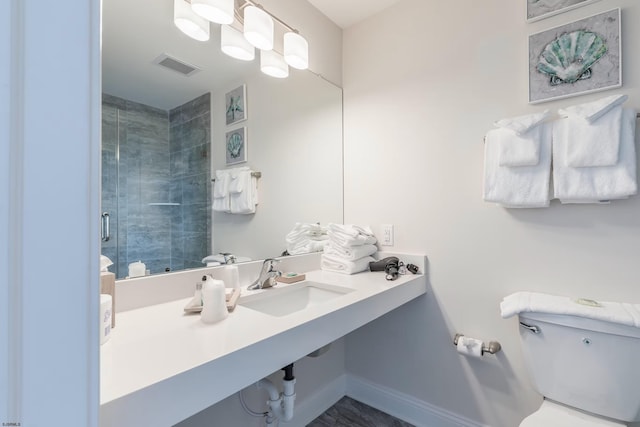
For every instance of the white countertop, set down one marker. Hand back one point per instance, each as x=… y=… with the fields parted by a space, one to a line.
x=161 y=365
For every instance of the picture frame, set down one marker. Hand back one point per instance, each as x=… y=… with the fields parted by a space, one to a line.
x=236 y=146
x=236 y=105
x=541 y=9
x=577 y=58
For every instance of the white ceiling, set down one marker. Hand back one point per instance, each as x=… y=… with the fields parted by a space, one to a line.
x=133 y=38
x=346 y=13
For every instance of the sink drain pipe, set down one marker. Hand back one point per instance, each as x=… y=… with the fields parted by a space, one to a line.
x=280 y=404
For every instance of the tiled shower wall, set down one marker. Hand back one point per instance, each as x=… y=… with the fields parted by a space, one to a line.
x=156 y=183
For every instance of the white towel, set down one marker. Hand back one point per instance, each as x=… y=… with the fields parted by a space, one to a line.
x=350 y=235
x=221 y=191
x=339 y=265
x=591 y=133
x=243 y=191
x=350 y=253
x=613 y=312
x=517 y=187
x=520 y=139
x=595 y=184
x=523 y=124
x=592 y=111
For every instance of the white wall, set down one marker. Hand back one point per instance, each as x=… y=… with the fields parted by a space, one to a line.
x=294 y=134
x=423 y=82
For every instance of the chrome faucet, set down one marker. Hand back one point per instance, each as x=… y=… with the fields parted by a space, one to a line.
x=267 y=277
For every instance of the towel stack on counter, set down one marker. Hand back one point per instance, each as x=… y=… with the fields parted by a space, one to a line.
x=306 y=238
x=593 y=152
x=349 y=249
x=235 y=191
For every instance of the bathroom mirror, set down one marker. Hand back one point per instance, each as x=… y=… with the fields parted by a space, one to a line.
x=164 y=138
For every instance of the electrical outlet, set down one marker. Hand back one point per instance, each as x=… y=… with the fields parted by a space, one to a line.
x=387 y=235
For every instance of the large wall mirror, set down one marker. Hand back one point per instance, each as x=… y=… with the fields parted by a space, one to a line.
x=163 y=139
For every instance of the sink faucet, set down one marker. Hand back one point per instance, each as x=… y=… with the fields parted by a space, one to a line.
x=267 y=276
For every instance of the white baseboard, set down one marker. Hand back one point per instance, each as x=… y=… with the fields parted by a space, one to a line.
x=404 y=406
x=395 y=403
x=314 y=405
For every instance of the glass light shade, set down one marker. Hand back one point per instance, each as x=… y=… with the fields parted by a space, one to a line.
x=296 y=51
x=272 y=64
x=233 y=43
x=218 y=11
x=258 y=28
x=188 y=22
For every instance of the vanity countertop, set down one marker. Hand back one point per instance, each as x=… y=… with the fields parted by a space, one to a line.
x=161 y=365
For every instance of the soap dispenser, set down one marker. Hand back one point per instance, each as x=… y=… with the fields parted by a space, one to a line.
x=214 y=306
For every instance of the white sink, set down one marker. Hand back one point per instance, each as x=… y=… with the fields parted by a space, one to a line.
x=283 y=300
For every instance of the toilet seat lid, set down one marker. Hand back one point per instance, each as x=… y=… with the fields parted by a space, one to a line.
x=552 y=414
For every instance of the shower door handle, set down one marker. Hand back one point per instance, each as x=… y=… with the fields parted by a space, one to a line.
x=105 y=227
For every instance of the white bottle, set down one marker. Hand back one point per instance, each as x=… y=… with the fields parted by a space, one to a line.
x=214 y=306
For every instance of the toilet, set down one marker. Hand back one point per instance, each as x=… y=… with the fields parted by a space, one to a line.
x=587 y=370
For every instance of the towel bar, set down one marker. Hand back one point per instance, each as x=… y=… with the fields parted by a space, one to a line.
x=253 y=174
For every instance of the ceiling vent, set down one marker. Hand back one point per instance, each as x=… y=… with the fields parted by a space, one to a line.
x=176 y=65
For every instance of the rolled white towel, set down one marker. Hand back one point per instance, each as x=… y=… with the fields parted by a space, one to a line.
x=350 y=253
x=339 y=265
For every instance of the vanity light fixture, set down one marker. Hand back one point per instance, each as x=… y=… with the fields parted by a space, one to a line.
x=273 y=64
x=258 y=27
x=189 y=22
x=296 y=50
x=218 y=11
x=233 y=43
x=245 y=25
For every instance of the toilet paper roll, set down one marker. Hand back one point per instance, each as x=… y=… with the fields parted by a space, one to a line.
x=469 y=346
x=105 y=318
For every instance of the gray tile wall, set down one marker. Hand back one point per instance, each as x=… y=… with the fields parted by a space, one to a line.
x=163 y=157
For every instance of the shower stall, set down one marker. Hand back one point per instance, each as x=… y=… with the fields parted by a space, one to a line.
x=156 y=184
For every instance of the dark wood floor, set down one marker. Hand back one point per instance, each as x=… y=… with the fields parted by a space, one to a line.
x=351 y=413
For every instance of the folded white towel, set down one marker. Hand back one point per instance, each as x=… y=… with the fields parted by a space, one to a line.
x=221 y=191
x=518 y=149
x=350 y=253
x=592 y=111
x=307 y=247
x=523 y=124
x=517 y=187
x=242 y=192
x=591 y=132
x=350 y=235
x=339 y=265
x=596 y=183
x=613 y=312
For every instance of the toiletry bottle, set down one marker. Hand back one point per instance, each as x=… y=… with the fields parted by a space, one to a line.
x=214 y=307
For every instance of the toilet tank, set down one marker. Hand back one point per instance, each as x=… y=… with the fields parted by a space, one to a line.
x=584 y=363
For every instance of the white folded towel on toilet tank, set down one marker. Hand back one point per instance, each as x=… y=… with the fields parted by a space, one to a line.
x=612 y=312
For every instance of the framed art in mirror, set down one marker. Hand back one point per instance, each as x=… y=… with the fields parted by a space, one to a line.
x=236 y=146
x=236 y=105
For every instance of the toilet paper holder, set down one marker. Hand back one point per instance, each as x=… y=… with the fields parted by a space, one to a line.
x=493 y=347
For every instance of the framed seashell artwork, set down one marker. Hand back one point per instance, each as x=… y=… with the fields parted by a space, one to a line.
x=540 y=9
x=236 y=146
x=577 y=58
